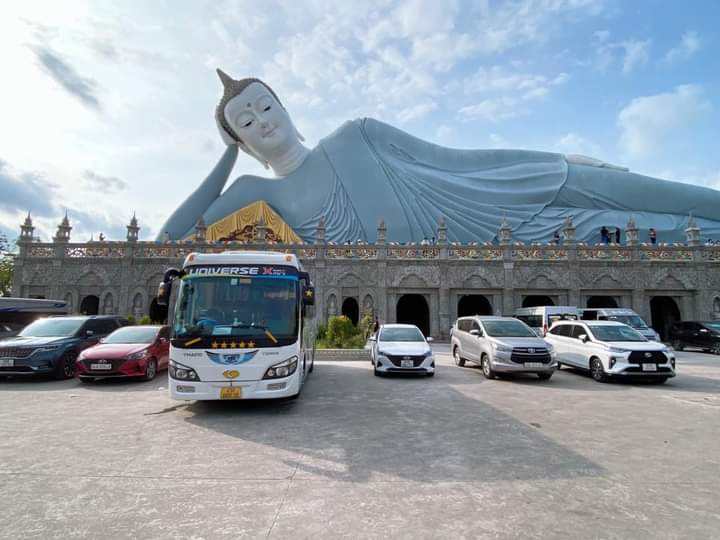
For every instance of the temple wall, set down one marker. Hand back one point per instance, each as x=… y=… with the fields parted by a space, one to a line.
x=124 y=275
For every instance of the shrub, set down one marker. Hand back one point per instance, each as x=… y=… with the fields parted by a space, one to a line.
x=145 y=319
x=341 y=333
x=131 y=318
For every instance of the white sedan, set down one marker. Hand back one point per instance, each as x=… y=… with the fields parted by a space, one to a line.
x=401 y=348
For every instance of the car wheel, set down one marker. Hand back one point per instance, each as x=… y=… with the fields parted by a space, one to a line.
x=150 y=370
x=87 y=380
x=544 y=376
x=460 y=362
x=559 y=366
x=716 y=348
x=312 y=366
x=597 y=370
x=677 y=345
x=486 y=367
x=66 y=366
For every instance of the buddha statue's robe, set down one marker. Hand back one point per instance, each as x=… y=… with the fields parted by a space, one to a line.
x=367 y=172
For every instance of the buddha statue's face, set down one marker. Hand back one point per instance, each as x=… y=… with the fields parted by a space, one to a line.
x=262 y=124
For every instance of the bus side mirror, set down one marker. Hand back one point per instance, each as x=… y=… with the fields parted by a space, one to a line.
x=165 y=287
x=308 y=295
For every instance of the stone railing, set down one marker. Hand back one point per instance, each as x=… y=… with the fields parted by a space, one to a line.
x=471 y=252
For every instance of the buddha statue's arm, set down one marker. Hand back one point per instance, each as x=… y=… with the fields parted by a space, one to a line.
x=184 y=218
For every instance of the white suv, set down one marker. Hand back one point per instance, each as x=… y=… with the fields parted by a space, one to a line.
x=610 y=349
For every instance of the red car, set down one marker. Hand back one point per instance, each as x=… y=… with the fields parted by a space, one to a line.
x=130 y=351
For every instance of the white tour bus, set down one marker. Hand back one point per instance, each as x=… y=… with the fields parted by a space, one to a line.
x=540 y=318
x=242 y=326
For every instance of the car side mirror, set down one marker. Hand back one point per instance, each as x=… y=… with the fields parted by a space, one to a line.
x=429 y=339
x=704 y=330
x=102 y=340
x=89 y=333
x=584 y=338
x=474 y=332
x=162 y=341
x=372 y=338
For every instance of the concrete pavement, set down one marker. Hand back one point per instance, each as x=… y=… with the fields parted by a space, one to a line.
x=359 y=456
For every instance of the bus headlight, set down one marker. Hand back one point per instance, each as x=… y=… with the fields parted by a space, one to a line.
x=283 y=369
x=181 y=373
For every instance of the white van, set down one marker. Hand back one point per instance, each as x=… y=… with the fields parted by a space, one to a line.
x=623 y=315
x=540 y=318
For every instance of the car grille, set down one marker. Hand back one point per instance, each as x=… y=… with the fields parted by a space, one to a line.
x=397 y=360
x=15 y=352
x=520 y=355
x=16 y=369
x=656 y=357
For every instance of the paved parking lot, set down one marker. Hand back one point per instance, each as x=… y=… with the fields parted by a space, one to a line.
x=454 y=456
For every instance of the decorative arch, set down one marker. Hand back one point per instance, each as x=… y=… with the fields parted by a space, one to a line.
x=94 y=277
x=670 y=282
x=477 y=282
x=332 y=307
x=108 y=303
x=138 y=305
x=606 y=281
x=541 y=281
x=413 y=281
x=368 y=305
x=349 y=279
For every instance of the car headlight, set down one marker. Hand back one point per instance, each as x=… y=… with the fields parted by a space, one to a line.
x=428 y=354
x=502 y=348
x=382 y=353
x=282 y=369
x=181 y=372
x=138 y=355
x=616 y=350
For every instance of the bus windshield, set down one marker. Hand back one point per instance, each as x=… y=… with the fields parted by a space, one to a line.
x=246 y=307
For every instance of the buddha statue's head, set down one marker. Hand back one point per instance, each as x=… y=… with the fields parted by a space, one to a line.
x=251 y=116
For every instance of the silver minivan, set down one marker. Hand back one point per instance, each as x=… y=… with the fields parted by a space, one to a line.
x=501 y=345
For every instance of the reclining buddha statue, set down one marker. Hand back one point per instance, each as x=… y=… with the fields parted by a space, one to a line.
x=368 y=171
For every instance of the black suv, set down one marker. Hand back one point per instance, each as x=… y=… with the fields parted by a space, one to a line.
x=52 y=344
x=703 y=334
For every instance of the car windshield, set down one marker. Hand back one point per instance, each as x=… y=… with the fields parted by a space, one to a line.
x=508 y=329
x=631 y=320
x=615 y=333
x=52 y=328
x=133 y=334
x=401 y=334
x=715 y=326
x=237 y=306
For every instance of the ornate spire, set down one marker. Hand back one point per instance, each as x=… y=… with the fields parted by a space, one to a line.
x=442 y=232
x=505 y=233
x=568 y=231
x=692 y=232
x=63 y=230
x=320 y=231
x=133 y=229
x=381 y=230
x=631 y=232
x=27 y=230
x=200 y=230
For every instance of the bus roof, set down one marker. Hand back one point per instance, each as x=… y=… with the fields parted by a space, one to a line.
x=243 y=258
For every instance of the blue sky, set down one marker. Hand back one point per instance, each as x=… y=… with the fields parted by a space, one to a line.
x=107 y=108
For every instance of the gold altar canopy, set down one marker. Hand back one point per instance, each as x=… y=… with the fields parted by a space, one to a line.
x=241 y=225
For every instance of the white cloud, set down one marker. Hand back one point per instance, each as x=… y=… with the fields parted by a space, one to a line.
x=416 y=111
x=572 y=143
x=689 y=45
x=647 y=122
x=636 y=54
x=444 y=134
x=505 y=93
x=498 y=141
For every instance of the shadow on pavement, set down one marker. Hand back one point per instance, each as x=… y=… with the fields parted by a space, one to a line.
x=351 y=426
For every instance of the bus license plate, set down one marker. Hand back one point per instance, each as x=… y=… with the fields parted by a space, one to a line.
x=234 y=392
x=533 y=364
x=101 y=366
x=407 y=363
x=7 y=362
x=649 y=367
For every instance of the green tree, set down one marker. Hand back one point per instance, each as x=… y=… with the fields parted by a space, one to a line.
x=7 y=264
